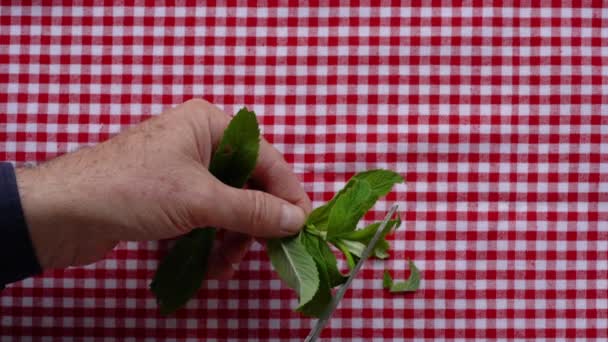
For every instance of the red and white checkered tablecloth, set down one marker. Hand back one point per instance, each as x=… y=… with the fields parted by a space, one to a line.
x=496 y=112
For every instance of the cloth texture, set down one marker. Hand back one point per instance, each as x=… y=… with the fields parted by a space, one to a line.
x=495 y=112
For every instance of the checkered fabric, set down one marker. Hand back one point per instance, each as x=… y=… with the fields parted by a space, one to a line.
x=496 y=113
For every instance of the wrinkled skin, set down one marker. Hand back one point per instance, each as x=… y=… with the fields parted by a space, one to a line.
x=152 y=182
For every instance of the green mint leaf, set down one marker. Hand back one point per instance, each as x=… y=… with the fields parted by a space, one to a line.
x=381 y=182
x=348 y=209
x=361 y=235
x=322 y=298
x=366 y=234
x=181 y=272
x=410 y=285
x=319 y=216
x=387 y=280
x=237 y=153
x=295 y=266
x=187 y=262
x=335 y=276
x=322 y=254
x=359 y=196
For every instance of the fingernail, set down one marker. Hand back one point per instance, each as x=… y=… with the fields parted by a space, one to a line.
x=292 y=218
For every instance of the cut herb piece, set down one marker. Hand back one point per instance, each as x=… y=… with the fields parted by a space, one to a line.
x=411 y=284
x=182 y=271
x=295 y=266
x=387 y=281
x=381 y=249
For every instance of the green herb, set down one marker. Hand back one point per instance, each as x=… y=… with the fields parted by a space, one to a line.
x=380 y=181
x=322 y=254
x=295 y=266
x=387 y=281
x=329 y=275
x=335 y=224
x=381 y=249
x=350 y=259
x=411 y=284
x=348 y=209
x=237 y=153
x=366 y=234
x=181 y=273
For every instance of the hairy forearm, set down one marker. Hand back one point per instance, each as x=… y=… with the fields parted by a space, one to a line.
x=54 y=209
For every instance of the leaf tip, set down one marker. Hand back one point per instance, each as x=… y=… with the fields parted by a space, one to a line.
x=387 y=280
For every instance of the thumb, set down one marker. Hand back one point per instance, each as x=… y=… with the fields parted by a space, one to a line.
x=254 y=213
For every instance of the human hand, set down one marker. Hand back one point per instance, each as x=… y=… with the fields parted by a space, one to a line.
x=152 y=182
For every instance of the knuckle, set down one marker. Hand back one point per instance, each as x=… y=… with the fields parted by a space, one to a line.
x=204 y=107
x=182 y=215
x=259 y=214
x=275 y=163
x=197 y=103
x=182 y=222
x=217 y=115
x=207 y=114
x=195 y=108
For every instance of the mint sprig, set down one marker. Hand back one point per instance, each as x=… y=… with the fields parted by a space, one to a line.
x=335 y=225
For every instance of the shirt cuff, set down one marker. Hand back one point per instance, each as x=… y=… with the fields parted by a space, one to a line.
x=17 y=256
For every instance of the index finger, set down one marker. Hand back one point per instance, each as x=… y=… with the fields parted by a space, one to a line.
x=274 y=175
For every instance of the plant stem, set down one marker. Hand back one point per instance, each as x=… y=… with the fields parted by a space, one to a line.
x=313 y=231
x=347 y=254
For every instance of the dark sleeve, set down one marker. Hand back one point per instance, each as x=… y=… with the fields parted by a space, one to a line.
x=17 y=257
